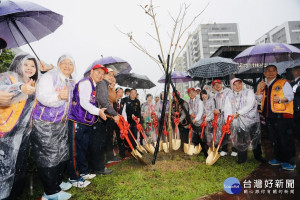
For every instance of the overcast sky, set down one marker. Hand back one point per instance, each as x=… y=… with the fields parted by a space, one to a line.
x=89 y=28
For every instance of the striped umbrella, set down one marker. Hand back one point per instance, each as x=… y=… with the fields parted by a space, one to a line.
x=213 y=67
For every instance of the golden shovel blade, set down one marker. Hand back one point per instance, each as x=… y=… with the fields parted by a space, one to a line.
x=185 y=147
x=141 y=149
x=160 y=148
x=197 y=149
x=189 y=149
x=176 y=143
x=150 y=148
x=166 y=146
x=138 y=156
x=210 y=149
x=212 y=158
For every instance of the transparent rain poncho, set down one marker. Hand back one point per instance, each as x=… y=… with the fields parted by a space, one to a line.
x=15 y=126
x=209 y=106
x=50 y=127
x=220 y=98
x=15 y=76
x=245 y=130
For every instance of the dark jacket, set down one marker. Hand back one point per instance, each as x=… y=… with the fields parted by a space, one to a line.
x=133 y=107
x=296 y=95
x=102 y=97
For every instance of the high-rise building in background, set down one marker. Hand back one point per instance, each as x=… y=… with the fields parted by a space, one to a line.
x=206 y=39
x=288 y=32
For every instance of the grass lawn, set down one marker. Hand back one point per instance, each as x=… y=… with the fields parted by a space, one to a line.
x=179 y=177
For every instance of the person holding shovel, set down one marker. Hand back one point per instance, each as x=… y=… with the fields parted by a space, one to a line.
x=101 y=138
x=220 y=96
x=147 y=108
x=208 y=109
x=276 y=98
x=183 y=123
x=83 y=116
x=241 y=103
x=196 y=111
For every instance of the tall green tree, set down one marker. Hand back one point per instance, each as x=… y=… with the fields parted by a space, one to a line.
x=5 y=59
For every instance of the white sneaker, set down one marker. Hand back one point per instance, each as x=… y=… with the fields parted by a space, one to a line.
x=58 y=196
x=88 y=176
x=234 y=154
x=80 y=183
x=223 y=153
x=65 y=186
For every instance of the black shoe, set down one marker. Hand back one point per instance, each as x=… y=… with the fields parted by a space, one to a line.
x=114 y=159
x=241 y=161
x=261 y=159
x=105 y=171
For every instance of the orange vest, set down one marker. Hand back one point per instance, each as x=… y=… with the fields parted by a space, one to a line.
x=9 y=116
x=277 y=90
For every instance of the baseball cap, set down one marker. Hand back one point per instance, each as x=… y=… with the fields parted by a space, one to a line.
x=102 y=67
x=216 y=81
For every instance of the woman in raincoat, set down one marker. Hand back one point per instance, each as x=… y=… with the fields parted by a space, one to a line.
x=241 y=103
x=209 y=106
x=15 y=126
x=147 y=108
x=49 y=136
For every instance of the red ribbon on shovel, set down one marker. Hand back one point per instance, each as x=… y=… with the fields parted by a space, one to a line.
x=203 y=125
x=139 y=126
x=226 y=127
x=155 y=122
x=165 y=132
x=124 y=131
x=176 y=121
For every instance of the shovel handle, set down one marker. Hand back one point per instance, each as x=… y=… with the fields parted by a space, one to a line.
x=203 y=127
x=129 y=143
x=215 y=125
x=221 y=140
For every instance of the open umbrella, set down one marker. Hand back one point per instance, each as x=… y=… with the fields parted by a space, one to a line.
x=25 y=22
x=119 y=65
x=177 y=77
x=256 y=68
x=213 y=67
x=134 y=80
x=268 y=53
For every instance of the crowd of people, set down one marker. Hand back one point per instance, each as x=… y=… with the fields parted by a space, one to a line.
x=73 y=126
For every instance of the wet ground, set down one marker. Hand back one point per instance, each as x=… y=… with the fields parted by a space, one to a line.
x=283 y=190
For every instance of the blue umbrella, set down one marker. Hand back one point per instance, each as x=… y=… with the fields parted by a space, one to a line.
x=177 y=77
x=213 y=67
x=119 y=65
x=25 y=22
x=268 y=53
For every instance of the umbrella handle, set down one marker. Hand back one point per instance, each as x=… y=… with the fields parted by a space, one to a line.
x=17 y=27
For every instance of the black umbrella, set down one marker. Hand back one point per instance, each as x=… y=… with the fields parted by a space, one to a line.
x=134 y=80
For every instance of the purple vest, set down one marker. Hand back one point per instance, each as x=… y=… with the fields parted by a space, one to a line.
x=78 y=113
x=53 y=114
